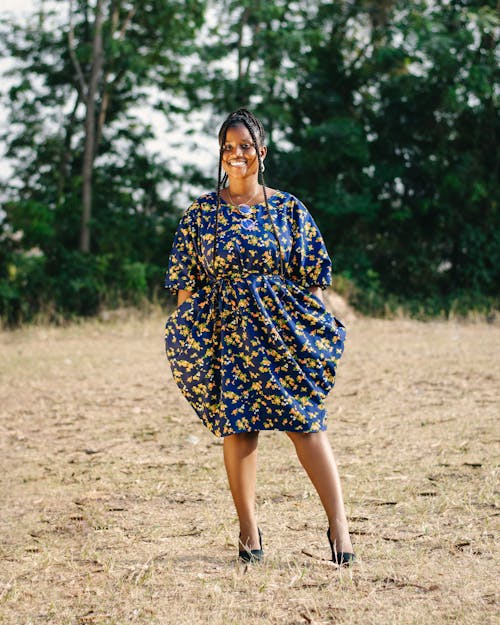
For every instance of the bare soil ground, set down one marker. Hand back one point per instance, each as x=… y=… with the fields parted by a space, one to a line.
x=115 y=507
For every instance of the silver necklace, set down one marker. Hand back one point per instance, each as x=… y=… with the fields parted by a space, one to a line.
x=244 y=207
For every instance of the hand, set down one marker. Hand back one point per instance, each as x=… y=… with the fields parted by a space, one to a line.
x=316 y=290
x=182 y=296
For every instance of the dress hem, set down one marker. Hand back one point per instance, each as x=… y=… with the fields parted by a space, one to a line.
x=322 y=428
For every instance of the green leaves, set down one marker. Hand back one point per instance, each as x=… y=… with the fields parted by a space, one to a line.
x=47 y=98
x=381 y=117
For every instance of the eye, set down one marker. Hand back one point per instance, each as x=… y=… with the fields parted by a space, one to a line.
x=227 y=147
x=246 y=146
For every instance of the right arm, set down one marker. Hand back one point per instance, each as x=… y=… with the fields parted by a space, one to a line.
x=183 y=275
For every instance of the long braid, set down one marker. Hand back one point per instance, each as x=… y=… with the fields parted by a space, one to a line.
x=246 y=118
x=219 y=184
x=261 y=173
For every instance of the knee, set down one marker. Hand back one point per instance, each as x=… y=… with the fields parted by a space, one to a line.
x=243 y=440
x=247 y=436
x=304 y=438
x=296 y=437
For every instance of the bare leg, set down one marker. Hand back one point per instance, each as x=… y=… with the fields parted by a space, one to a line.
x=240 y=458
x=316 y=456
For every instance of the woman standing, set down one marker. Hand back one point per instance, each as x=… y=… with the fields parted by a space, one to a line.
x=251 y=344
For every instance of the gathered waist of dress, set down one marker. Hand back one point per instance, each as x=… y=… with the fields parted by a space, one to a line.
x=243 y=274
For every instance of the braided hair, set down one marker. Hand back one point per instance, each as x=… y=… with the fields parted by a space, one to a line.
x=243 y=117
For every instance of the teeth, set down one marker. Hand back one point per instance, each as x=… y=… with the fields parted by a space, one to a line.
x=238 y=163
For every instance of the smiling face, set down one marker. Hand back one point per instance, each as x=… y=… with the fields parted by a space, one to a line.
x=239 y=156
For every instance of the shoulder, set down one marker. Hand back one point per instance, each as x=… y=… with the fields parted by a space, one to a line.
x=193 y=213
x=284 y=202
x=277 y=196
x=285 y=198
x=295 y=210
x=206 y=200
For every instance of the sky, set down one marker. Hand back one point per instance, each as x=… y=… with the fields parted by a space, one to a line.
x=18 y=7
x=195 y=149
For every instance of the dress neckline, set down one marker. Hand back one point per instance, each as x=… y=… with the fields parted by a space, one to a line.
x=223 y=201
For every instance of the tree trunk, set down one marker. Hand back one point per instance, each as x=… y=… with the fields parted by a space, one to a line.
x=88 y=153
x=106 y=85
x=64 y=170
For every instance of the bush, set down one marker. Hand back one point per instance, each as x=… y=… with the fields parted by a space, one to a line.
x=71 y=284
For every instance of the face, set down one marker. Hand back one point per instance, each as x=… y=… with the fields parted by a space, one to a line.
x=239 y=156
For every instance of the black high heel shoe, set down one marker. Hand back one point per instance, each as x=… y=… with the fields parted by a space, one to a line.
x=341 y=558
x=251 y=555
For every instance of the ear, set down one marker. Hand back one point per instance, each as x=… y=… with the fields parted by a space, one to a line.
x=263 y=151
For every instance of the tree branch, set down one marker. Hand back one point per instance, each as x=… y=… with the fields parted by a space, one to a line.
x=107 y=87
x=64 y=174
x=243 y=21
x=90 y=128
x=126 y=23
x=361 y=53
x=81 y=86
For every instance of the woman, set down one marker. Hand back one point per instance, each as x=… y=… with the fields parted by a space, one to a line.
x=251 y=345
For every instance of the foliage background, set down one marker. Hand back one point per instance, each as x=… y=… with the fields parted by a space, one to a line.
x=382 y=116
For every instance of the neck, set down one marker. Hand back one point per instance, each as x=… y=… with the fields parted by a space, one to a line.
x=243 y=188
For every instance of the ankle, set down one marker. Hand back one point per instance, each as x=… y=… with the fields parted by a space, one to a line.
x=340 y=538
x=250 y=554
x=249 y=535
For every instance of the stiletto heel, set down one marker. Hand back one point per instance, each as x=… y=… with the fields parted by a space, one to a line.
x=251 y=555
x=341 y=558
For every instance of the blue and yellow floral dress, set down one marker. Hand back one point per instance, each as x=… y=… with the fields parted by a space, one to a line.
x=251 y=349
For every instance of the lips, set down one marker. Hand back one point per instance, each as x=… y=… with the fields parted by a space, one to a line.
x=237 y=163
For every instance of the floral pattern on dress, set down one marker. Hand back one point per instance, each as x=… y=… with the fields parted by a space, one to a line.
x=251 y=349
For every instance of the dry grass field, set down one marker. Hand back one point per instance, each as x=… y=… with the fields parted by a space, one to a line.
x=115 y=507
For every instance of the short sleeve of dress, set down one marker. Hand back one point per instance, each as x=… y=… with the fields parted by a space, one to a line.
x=309 y=263
x=184 y=266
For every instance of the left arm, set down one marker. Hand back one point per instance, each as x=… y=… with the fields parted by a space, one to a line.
x=309 y=263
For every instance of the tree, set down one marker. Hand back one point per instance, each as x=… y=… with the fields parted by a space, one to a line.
x=87 y=92
x=78 y=146
x=379 y=114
